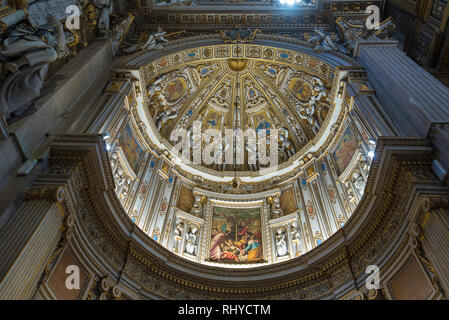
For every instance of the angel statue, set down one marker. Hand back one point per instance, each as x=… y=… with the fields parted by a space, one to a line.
x=308 y=113
x=324 y=41
x=105 y=8
x=26 y=53
x=352 y=33
x=286 y=146
x=154 y=41
x=163 y=117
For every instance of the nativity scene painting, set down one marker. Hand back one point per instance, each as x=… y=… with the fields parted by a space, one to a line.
x=236 y=236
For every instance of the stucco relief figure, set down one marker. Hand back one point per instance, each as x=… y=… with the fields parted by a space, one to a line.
x=349 y=192
x=114 y=159
x=251 y=148
x=280 y=238
x=358 y=181
x=285 y=145
x=222 y=146
x=191 y=241
x=365 y=165
x=177 y=234
x=319 y=90
x=307 y=113
x=26 y=53
x=156 y=86
x=155 y=91
x=295 y=236
x=125 y=189
x=154 y=42
x=105 y=8
x=120 y=178
x=276 y=210
x=163 y=117
x=197 y=209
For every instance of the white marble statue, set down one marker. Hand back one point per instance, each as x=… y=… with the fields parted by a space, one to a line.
x=324 y=41
x=358 y=181
x=26 y=54
x=105 y=8
x=154 y=42
x=191 y=241
x=280 y=238
x=177 y=234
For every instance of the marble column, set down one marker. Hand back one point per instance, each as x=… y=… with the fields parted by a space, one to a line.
x=411 y=97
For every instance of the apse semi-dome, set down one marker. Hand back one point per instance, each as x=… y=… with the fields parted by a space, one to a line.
x=238 y=215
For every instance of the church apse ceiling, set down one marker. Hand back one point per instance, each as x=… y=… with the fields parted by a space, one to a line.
x=240 y=86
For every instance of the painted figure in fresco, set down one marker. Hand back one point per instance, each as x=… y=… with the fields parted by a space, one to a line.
x=27 y=53
x=215 y=245
x=253 y=249
x=241 y=244
x=346 y=149
x=230 y=251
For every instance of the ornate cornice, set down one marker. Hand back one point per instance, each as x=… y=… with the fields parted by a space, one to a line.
x=388 y=202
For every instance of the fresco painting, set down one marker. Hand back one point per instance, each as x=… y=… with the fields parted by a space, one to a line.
x=345 y=150
x=236 y=236
x=133 y=152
